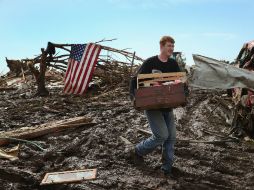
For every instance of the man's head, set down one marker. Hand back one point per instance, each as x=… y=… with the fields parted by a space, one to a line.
x=167 y=44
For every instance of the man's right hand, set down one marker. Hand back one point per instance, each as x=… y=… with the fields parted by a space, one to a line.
x=132 y=98
x=133 y=102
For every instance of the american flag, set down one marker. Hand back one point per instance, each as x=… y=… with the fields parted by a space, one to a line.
x=81 y=64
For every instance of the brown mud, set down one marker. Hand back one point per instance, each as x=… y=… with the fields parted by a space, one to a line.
x=227 y=165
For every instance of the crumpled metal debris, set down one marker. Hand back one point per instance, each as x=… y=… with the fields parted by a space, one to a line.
x=210 y=73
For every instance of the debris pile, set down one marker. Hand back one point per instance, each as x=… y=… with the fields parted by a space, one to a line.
x=243 y=98
x=42 y=135
x=114 y=67
x=209 y=160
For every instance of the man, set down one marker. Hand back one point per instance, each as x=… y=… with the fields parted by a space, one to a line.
x=161 y=121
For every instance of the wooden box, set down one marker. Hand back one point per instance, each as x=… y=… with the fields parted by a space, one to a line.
x=166 y=94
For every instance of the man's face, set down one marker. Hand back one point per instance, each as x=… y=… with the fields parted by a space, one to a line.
x=167 y=49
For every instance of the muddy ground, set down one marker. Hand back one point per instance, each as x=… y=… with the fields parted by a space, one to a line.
x=227 y=165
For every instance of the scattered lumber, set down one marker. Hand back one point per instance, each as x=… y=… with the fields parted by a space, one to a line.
x=227 y=139
x=7 y=88
x=126 y=141
x=144 y=131
x=51 y=127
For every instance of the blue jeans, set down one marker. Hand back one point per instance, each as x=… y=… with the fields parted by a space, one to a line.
x=162 y=125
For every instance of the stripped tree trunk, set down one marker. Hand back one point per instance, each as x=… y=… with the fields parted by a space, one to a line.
x=40 y=75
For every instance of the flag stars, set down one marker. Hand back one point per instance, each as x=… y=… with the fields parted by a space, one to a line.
x=77 y=51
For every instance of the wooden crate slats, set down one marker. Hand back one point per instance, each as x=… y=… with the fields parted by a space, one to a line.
x=145 y=80
x=157 y=75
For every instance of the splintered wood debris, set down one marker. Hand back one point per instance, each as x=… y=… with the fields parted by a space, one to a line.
x=40 y=130
x=11 y=154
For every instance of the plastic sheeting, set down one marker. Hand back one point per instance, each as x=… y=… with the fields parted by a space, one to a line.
x=210 y=73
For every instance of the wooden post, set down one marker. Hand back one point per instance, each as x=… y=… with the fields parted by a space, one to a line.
x=132 y=62
x=42 y=91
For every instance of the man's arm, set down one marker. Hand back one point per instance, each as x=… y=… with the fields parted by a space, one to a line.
x=144 y=69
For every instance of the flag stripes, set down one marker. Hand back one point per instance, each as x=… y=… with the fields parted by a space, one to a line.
x=80 y=67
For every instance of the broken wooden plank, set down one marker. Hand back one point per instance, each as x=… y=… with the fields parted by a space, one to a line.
x=69 y=176
x=40 y=130
x=7 y=88
x=126 y=141
x=210 y=142
x=144 y=131
x=50 y=110
x=229 y=139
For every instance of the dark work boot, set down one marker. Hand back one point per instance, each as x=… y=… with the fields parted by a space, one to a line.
x=135 y=157
x=168 y=170
x=168 y=173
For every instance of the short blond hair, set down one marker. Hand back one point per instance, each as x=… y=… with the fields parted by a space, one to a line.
x=165 y=39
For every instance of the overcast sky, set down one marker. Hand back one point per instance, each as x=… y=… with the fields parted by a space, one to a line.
x=214 y=28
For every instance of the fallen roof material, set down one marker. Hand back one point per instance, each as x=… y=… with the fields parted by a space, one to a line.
x=210 y=73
